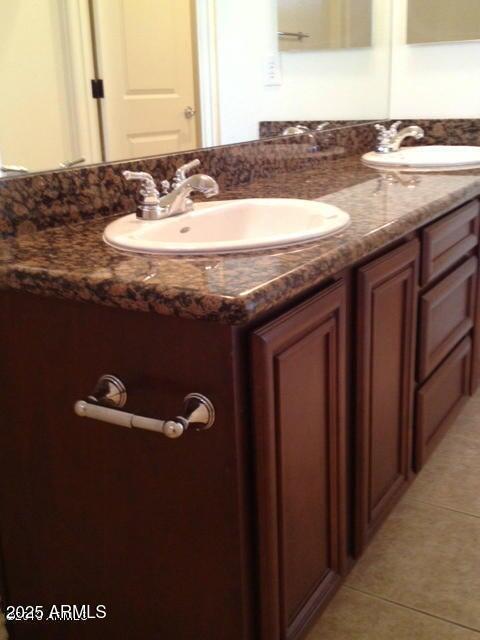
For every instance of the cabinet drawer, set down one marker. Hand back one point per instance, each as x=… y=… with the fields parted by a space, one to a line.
x=446 y=242
x=439 y=400
x=446 y=316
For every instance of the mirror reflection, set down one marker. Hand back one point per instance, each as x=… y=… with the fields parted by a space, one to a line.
x=87 y=81
x=331 y=24
x=449 y=22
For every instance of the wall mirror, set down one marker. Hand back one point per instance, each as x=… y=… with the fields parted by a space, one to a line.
x=174 y=75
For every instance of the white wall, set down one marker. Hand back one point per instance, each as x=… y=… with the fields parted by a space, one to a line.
x=433 y=80
x=344 y=84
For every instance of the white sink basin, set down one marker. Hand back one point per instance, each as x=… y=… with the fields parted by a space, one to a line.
x=426 y=158
x=234 y=225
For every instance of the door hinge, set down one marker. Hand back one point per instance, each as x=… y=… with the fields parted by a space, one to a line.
x=97 y=88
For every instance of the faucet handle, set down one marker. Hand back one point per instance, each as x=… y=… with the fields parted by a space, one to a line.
x=394 y=127
x=390 y=132
x=181 y=173
x=150 y=208
x=386 y=137
x=148 y=183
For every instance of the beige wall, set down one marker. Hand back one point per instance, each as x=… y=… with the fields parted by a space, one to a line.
x=34 y=127
x=443 y=20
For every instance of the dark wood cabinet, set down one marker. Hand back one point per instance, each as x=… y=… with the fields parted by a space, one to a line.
x=449 y=240
x=386 y=327
x=475 y=374
x=155 y=529
x=299 y=419
x=447 y=314
x=440 y=399
x=244 y=531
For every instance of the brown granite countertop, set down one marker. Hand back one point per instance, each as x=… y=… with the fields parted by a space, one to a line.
x=73 y=262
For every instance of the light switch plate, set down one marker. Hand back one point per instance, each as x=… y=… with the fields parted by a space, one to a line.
x=273 y=75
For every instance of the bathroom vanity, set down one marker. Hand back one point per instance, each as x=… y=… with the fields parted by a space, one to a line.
x=333 y=367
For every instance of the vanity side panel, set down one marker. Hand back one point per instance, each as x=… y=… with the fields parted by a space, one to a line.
x=153 y=528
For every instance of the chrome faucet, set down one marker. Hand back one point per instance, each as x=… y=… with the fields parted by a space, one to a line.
x=176 y=197
x=390 y=140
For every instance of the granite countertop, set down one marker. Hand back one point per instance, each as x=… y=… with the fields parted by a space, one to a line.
x=72 y=261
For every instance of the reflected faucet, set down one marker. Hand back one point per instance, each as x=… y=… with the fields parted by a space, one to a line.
x=11 y=169
x=301 y=128
x=295 y=130
x=387 y=178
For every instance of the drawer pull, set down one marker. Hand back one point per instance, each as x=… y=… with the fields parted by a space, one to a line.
x=110 y=395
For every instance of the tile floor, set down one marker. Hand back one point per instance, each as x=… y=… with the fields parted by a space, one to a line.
x=420 y=577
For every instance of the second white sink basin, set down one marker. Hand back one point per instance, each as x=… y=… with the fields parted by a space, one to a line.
x=234 y=225
x=433 y=158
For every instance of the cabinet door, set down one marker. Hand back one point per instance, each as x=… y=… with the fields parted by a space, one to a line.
x=387 y=292
x=299 y=405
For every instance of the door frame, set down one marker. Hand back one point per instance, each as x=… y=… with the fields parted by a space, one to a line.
x=78 y=50
x=206 y=50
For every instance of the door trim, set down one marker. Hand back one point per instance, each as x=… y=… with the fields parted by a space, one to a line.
x=206 y=32
x=78 y=49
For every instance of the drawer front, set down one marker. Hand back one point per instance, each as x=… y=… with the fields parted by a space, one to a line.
x=447 y=241
x=439 y=400
x=446 y=315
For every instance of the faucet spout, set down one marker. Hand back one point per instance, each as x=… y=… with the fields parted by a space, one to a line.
x=203 y=184
x=178 y=200
x=407 y=132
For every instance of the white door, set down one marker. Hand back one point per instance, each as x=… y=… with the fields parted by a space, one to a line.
x=146 y=60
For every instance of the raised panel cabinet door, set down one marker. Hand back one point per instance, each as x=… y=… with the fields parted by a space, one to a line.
x=299 y=408
x=387 y=310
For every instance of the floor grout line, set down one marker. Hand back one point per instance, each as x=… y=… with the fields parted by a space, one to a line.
x=439 y=506
x=409 y=608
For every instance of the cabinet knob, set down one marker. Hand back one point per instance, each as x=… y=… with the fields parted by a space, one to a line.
x=110 y=395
